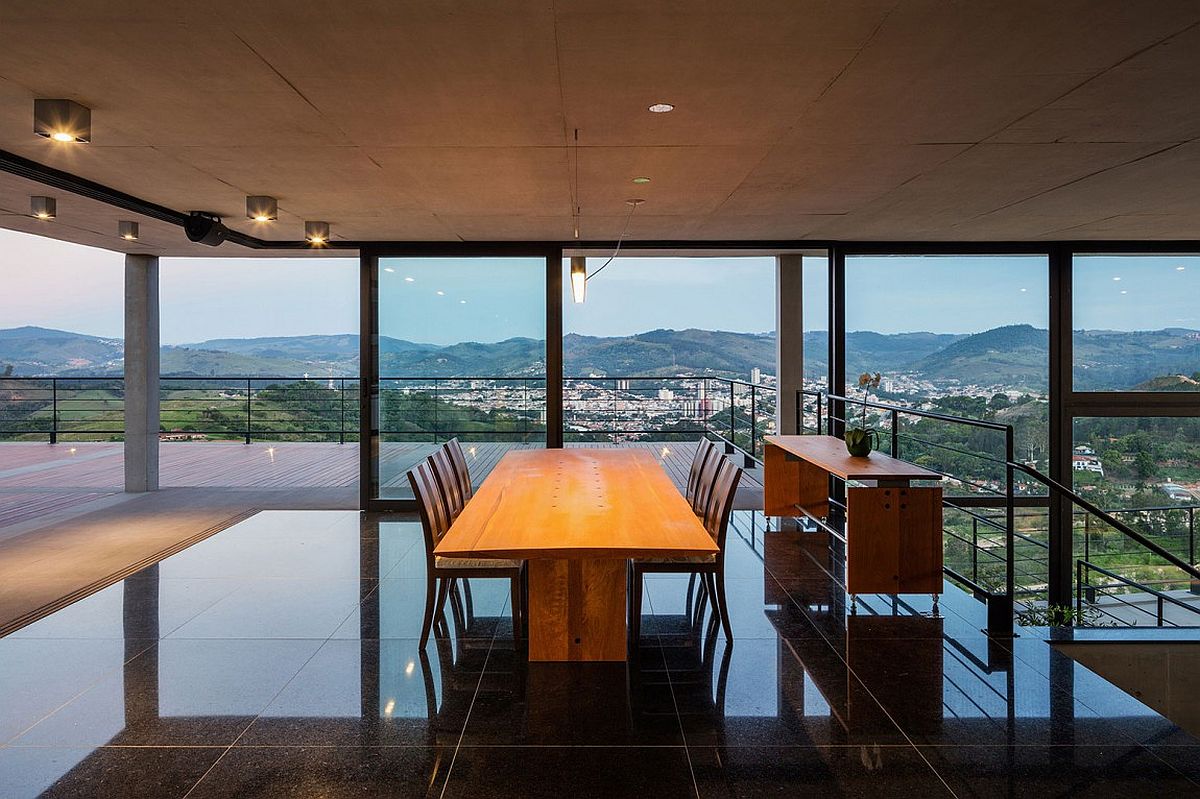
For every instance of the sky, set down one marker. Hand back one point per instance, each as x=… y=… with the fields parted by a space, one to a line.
x=54 y=284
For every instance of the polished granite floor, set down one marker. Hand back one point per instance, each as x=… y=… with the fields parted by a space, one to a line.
x=278 y=658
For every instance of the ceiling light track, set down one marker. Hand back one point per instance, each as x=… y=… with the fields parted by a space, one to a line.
x=56 y=178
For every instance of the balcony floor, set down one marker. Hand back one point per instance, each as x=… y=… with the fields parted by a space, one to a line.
x=277 y=658
x=39 y=480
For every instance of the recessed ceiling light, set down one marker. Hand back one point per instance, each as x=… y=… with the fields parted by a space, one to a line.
x=262 y=208
x=462 y=302
x=1123 y=291
x=1024 y=290
x=641 y=180
x=661 y=108
x=316 y=232
x=1116 y=278
x=1180 y=268
x=441 y=293
x=127 y=230
x=43 y=207
x=408 y=279
x=62 y=120
x=389 y=269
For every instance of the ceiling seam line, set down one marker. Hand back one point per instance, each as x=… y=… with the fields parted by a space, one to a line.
x=804 y=112
x=1119 y=62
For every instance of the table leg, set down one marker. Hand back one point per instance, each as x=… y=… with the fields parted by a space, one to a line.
x=577 y=609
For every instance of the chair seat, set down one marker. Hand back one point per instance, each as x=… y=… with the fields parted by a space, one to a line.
x=698 y=559
x=475 y=563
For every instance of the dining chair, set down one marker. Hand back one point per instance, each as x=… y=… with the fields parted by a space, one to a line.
x=704 y=450
x=705 y=480
x=441 y=572
x=447 y=480
x=710 y=568
x=455 y=450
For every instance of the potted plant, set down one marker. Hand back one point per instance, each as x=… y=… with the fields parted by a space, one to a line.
x=861 y=440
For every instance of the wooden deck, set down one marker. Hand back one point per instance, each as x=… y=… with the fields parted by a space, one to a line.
x=38 y=479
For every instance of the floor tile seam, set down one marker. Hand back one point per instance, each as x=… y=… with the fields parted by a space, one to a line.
x=679 y=720
x=475 y=696
x=411 y=546
x=107 y=673
x=885 y=712
x=1084 y=704
x=265 y=706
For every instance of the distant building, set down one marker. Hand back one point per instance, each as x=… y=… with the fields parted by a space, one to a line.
x=666 y=394
x=1087 y=463
x=756 y=375
x=622 y=385
x=1084 y=449
x=1176 y=492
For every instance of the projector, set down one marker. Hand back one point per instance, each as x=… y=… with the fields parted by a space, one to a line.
x=205 y=228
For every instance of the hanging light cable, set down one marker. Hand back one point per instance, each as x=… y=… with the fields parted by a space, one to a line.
x=579 y=275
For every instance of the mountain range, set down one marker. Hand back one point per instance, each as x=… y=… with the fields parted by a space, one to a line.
x=1013 y=355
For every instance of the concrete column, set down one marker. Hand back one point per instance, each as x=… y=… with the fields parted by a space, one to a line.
x=789 y=339
x=141 y=373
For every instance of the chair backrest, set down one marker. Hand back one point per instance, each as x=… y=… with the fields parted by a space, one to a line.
x=430 y=504
x=459 y=460
x=720 y=504
x=703 y=451
x=447 y=479
x=704 y=483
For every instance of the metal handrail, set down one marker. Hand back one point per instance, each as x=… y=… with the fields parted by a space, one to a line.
x=1012 y=467
x=1121 y=527
x=1082 y=566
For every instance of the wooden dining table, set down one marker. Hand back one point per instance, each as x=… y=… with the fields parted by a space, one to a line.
x=577 y=516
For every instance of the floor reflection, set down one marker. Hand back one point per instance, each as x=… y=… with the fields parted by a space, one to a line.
x=208 y=675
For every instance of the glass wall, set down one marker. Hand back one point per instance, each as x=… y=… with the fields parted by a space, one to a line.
x=964 y=335
x=1136 y=321
x=670 y=349
x=461 y=353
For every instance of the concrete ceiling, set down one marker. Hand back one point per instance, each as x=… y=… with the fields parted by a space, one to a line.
x=419 y=120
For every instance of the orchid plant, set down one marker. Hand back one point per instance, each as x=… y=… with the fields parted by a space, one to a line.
x=859 y=440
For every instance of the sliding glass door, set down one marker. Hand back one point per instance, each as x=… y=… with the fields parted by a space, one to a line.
x=459 y=351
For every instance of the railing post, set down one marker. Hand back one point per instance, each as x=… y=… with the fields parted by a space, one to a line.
x=248 y=410
x=342 y=398
x=1160 y=609
x=753 y=420
x=895 y=433
x=1079 y=593
x=1192 y=536
x=53 y=410
x=975 y=549
x=732 y=416
x=1010 y=514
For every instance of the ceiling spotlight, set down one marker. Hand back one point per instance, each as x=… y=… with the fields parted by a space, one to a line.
x=316 y=232
x=661 y=108
x=462 y=302
x=408 y=279
x=441 y=293
x=127 y=230
x=641 y=180
x=578 y=278
x=205 y=228
x=388 y=269
x=262 y=208
x=1116 y=278
x=1180 y=268
x=43 y=207
x=62 y=120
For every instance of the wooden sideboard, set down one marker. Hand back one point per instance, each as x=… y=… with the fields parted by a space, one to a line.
x=893 y=529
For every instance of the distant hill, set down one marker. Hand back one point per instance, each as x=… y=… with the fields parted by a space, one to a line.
x=1014 y=355
x=40 y=350
x=1170 y=383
